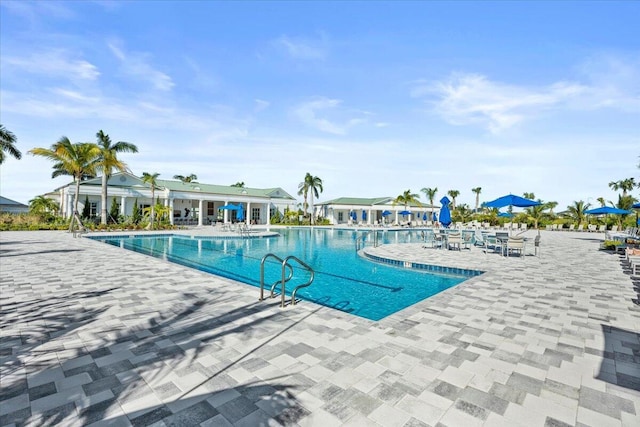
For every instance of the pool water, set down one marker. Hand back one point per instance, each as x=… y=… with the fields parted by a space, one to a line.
x=343 y=280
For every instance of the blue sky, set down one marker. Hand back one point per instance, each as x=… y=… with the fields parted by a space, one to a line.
x=373 y=97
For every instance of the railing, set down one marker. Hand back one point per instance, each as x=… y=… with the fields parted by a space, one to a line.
x=361 y=241
x=304 y=285
x=285 y=263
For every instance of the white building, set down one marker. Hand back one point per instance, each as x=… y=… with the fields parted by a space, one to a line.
x=373 y=211
x=192 y=203
x=11 y=206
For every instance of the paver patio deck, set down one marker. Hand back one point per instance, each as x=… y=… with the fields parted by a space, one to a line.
x=92 y=334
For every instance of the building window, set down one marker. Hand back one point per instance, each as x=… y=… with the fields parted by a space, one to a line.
x=93 y=209
x=210 y=209
x=255 y=215
x=340 y=216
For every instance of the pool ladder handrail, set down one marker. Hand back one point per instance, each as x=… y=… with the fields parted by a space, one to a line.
x=360 y=242
x=304 y=285
x=285 y=278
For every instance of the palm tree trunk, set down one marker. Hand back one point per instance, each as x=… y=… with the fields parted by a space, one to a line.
x=153 y=206
x=312 y=210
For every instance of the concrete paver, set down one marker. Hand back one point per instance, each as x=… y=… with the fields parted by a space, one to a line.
x=92 y=334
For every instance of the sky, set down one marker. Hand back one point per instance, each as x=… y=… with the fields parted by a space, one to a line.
x=374 y=98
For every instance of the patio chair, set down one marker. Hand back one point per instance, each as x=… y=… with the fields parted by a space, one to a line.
x=467 y=239
x=454 y=240
x=536 y=245
x=515 y=244
x=490 y=243
x=602 y=228
x=429 y=238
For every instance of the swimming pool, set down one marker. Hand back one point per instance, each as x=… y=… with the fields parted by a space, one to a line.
x=343 y=280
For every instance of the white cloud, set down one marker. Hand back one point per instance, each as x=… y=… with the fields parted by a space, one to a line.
x=606 y=81
x=308 y=114
x=473 y=99
x=260 y=105
x=54 y=63
x=614 y=82
x=302 y=48
x=137 y=65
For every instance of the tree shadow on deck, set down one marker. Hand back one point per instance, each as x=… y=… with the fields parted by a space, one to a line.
x=145 y=362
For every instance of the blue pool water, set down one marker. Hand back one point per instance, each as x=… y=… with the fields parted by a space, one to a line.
x=343 y=280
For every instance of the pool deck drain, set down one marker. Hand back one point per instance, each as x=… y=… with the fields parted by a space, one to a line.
x=94 y=335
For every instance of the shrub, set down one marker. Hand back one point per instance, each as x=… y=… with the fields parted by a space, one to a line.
x=611 y=244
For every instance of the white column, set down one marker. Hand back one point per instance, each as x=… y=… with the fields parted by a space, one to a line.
x=226 y=214
x=123 y=206
x=247 y=219
x=171 y=219
x=369 y=217
x=200 y=212
x=70 y=205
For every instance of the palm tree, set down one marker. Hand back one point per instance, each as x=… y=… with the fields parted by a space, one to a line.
x=108 y=162
x=529 y=196
x=625 y=185
x=453 y=194
x=601 y=201
x=551 y=206
x=576 y=211
x=430 y=193
x=186 y=179
x=7 y=143
x=536 y=213
x=477 y=190
x=150 y=178
x=407 y=198
x=311 y=184
x=76 y=160
x=43 y=206
x=239 y=184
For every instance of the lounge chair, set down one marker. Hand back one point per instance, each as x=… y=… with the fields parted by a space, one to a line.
x=580 y=227
x=602 y=228
x=572 y=227
x=633 y=258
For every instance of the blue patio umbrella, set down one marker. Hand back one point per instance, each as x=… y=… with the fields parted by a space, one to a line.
x=434 y=217
x=445 y=213
x=230 y=207
x=240 y=213
x=511 y=200
x=604 y=210
x=353 y=216
x=424 y=216
x=405 y=213
x=364 y=215
x=386 y=213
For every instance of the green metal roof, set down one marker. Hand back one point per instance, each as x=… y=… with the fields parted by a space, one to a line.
x=193 y=187
x=357 y=201
x=198 y=187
